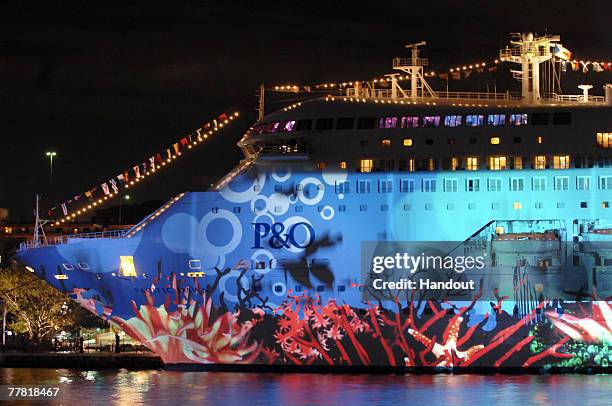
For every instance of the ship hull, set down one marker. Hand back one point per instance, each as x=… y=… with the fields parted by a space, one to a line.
x=271 y=270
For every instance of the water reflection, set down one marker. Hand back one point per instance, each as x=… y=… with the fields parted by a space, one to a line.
x=121 y=387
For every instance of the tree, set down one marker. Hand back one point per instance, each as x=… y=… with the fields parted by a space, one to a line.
x=37 y=309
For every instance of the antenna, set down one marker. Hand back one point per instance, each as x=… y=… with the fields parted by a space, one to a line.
x=413 y=66
x=39 y=238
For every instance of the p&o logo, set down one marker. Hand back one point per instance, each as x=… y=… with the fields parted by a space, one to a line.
x=278 y=238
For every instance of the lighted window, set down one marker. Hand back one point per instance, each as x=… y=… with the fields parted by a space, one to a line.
x=429 y=164
x=127 y=267
x=539 y=139
x=517 y=162
x=474 y=120
x=8 y=230
x=453 y=164
x=471 y=164
x=499 y=230
x=321 y=165
x=272 y=127
x=288 y=126
x=561 y=162
x=517 y=205
x=518 y=119
x=494 y=140
x=411 y=165
x=452 y=121
x=604 y=140
x=366 y=165
x=407 y=142
x=497 y=163
x=496 y=120
x=539 y=162
x=387 y=122
x=409 y=122
x=431 y=121
x=386 y=143
x=343 y=165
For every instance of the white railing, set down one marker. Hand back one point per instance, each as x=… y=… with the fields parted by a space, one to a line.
x=402 y=62
x=387 y=93
x=65 y=239
x=574 y=98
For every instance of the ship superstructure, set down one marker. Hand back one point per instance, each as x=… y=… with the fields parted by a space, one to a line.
x=273 y=266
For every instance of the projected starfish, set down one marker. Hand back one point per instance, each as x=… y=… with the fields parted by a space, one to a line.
x=447 y=352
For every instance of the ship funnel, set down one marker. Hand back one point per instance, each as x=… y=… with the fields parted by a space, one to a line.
x=585 y=92
x=608 y=93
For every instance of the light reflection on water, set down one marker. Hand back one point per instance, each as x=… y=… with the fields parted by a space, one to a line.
x=153 y=387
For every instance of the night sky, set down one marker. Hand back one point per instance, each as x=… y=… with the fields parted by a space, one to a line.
x=107 y=84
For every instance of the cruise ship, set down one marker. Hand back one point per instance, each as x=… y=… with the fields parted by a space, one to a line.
x=390 y=226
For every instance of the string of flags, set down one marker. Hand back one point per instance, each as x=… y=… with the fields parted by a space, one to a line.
x=91 y=199
x=561 y=54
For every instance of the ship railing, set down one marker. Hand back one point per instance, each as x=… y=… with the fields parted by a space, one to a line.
x=402 y=62
x=66 y=239
x=577 y=98
x=388 y=94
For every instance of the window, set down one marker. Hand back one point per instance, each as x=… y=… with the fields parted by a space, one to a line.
x=342 y=186
x=561 y=183
x=429 y=185
x=431 y=121
x=343 y=165
x=561 y=161
x=539 y=139
x=68 y=267
x=473 y=140
x=385 y=186
x=407 y=142
x=496 y=120
x=305 y=124
x=494 y=140
x=364 y=186
x=471 y=164
x=474 y=120
x=366 y=123
x=516 y=140
x=494 y=184
x=604 y=140
x=538 y=183
x=341 y=288
x=345 y=123
x=517 y=184
x=562 y=118
x=272 y=127
x=429 y=141
x=472 y=185
x=452 y=164
x=427 y=164
x=452 y=121
x=195 y=264
x=497 y=163
x=517 y=162
x=409 y=122
x=364 y=143
x=287 y=126
x=451 y=141
x=387 y=122
x=605 y=182
x=517 y=205
x=365 y=165
x=411 y=165
x=539 y=162
x=386 y=165
x=583 y=182
x=518 y=119
x=324 y=124
x=450 y=184
x=126 y=266
x=385 y=143
x=321 y=165
x=407 y=185
x=540 y=118
x=584 y=205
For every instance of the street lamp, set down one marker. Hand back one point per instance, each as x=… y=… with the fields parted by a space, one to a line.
x=51 y=154
x=126 y=197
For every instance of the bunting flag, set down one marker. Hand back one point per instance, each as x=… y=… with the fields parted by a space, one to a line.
x=563 y=66
x=575 y=66
x=493 y=69
x=597 y=67
x=467 y=73
x=561 y=52
x=443 y=76
x=456 y=75
x=113 y=184
x=585 y=66
x=110 y=188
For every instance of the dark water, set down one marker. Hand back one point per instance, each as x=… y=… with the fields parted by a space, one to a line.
x=152 y=387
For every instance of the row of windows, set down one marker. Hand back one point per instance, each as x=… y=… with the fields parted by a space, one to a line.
x=368 y=123
x=515 y=184
x=493 y=140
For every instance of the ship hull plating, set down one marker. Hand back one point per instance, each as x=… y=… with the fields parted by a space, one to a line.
x=270 y=270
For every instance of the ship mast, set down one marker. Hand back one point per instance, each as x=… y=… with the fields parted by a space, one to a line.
x=412 y=66
x=529 y=52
